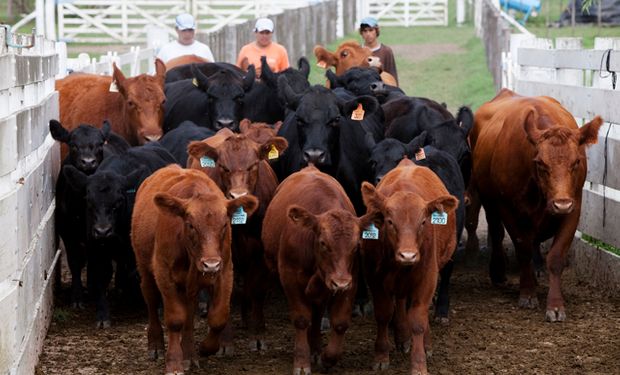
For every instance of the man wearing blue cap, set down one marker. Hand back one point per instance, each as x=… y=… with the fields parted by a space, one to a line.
x=185 y=43
x=369 y=30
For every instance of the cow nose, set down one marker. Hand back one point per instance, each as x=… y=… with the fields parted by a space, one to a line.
x=340 y=284
x=563 y=205
x=89 y=163
x=102 y=231
x=224 y=123
x=152 y=138
x=376 y=86
x=236 y=193
x=314 y=156
x=211 y=265
x=408 y=256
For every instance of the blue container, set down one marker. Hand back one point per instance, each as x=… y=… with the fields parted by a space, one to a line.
x=524 y=6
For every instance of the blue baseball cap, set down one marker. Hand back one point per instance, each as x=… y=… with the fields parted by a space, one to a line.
x=370 y=21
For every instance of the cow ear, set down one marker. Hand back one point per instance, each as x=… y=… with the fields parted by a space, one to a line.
x=588 y=134
x=373 y=200
x=303 y=217
x=106 y=129
x=201 y=78
x=369 y=104
x=277 y=126
x=303 y=66
x=249 y=78
x=373 y=217
x=244 y=125
x=531 y=127
x=76 y=178
x=198 y=149
x=119 y=78
x=286 y=92
x=465 y=119
x=333 y=79
x=266 y=74
x=160 y=69
x=248 y=202
x=417 y=143
x=58 y=132
x=170 y=205
x=280 y=143
x=323 y=56
x=445 y=203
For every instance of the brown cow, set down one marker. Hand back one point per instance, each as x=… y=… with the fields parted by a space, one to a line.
x=259 y=132
x=403 y=263
x=529 y=167
x=136 y=111
x=239 y=166
x=181 y=235
x=311 y=237
x=348 y=55
x=185 y=59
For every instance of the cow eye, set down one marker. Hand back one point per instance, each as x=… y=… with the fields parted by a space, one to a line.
x=344 y=53
x=131 y=104
x=252 y=167
x=390 y=222
x=323 y=246
x=576 y=164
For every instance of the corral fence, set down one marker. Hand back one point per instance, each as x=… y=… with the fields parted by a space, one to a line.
x=29 y=164
x=582 y=81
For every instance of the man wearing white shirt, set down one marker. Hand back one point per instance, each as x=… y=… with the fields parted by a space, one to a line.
x=185 y=43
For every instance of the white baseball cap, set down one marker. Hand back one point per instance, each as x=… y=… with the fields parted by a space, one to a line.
x=263 y=24
x=185 y=21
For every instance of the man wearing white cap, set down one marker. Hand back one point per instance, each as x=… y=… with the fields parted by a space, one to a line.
x=369 y=30
x=185 y=43
x=277 y=57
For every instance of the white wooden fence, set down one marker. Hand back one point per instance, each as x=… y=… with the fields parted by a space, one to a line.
x=29 y=163
x=405 y=12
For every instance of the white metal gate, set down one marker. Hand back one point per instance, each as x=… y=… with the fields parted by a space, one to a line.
x=406 y=13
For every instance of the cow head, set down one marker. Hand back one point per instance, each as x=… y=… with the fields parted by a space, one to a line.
x=106 y=195
x=560 y=160
x=225 y=91
x=259 y=132
x=347 y=55
x=143 y=98
x=297 y=78
x=405 y=220
x=384 y=155
x=319 y=113
x=360 y=81
x=206 y=230
x=236 y=161
x=85 y=144
x=337 y=236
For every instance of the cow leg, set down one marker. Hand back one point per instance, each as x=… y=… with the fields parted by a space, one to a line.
x=472 y=212
x=301 y=313
x=402 y=329
x=340 y=319
x=314 y=334
x=226 y=340
x=384 y=308
x=187 y=338
x=175 y=316
x=361 y=297
x=442 y=305
x=497 y=268
x=420 y=342
x=257 y=279
x=99 y=272
x=154 y=332
x=76 y=259
x=219 y=311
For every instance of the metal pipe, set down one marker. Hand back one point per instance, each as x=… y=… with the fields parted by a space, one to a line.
x=9 y=42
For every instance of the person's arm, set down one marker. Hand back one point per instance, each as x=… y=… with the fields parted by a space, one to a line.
x=389 y=65
x=283 y=63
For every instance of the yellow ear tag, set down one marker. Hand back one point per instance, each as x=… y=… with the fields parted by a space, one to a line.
x=113 y=87
x=273 y=153
x=420 y=155
x=322 y=64
x=358 y=114
x=195 y=82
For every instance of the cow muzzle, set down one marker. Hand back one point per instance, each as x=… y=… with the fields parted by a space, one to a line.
x=236 y=193
x=377 y=87
x=152 y=138
x=224 y=122
x=88 y=164
x=341 y=284
x=210 y=265
x=407 y=256
x=102 y=231
x=314 y=156
x=562 y=206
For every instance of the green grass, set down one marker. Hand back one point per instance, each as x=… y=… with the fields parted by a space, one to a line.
x=600 y=244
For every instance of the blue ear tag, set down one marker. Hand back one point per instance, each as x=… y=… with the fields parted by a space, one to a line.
x=207 y=162
x=239 y=217
x=371 y=233
x=440 y=218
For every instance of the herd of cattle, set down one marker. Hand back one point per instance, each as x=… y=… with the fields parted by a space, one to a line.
x=170 y=181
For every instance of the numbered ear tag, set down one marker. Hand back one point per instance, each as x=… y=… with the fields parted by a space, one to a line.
x=439 y=218
x=239 y=217
x=195 y=82
x=420 y=155
x=207 y=162
x=113 y=87
x=273 y=153
x=322 y=64
x=371 y=233
x=358 y=113
x=131 y=191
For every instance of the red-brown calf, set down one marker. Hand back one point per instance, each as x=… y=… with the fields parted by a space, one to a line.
x=181 y=235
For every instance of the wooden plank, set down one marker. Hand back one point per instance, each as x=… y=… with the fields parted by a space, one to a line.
x=591 y=221
x=595 y=267
x=580 y=101
x=8 y=151
x=587 y=59
x=596 y=157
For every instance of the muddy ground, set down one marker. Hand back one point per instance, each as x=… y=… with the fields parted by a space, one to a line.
x=487 y=334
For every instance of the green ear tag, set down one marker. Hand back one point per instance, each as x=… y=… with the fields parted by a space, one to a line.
x=439 y=218
x=273 y=153
x=371 y=233
x=239 y=217
x=207 y=162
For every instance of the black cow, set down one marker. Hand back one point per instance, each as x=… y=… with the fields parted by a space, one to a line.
x=177 y=139
x=262 y=103
x=110 y=194
x=364 y=81
x=182 y=72
x=88 y=146
x=214 y=102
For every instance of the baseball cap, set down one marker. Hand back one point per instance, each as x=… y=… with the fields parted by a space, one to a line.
x=370 y=21
x=263 y=24
x=185 y=21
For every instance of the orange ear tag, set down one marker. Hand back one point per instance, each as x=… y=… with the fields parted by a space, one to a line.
x=322 y=64
x=420 y=155
x=195 y=82
x=273 y=153
x=358 y=114
x=113 y=87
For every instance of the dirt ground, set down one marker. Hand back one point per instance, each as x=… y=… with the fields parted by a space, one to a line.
x=487 y=334
x=421 y=52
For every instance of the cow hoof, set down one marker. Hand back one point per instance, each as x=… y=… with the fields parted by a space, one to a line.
x=156 y=353
x=443 y=320
x=368 y=310
x=528 y=302
x=258 y=346
x=315 y=359
x=175 y=373
x=78 y=306
x=378 y=366
x=325 y=326
x=103 y=324
x=555 y=315
x=404 y=346
x=203 y=310
x=429 y=354
x=225 y=351
x=302 y=371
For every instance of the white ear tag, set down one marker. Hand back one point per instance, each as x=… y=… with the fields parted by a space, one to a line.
x=371 y=233
x=439 y=218
x=239 y=217
x=420 y=154
x=113 y=87
x=207 y=162
x=273 y=153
